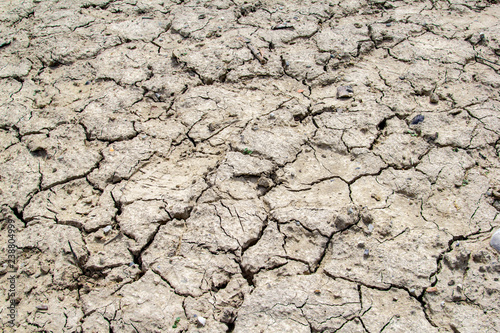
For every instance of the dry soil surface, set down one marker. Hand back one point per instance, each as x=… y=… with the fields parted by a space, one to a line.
x=196 y=166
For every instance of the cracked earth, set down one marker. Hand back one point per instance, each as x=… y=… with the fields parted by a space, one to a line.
x=166 y=162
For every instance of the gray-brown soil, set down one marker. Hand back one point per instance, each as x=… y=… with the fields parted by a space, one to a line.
x=196 y=166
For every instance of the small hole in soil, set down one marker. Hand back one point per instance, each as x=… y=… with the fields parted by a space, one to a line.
x=382 y=125
x=39 y=153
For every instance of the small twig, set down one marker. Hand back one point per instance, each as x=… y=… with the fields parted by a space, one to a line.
x=284 y=25
x=483 y=59
x=256 y=54
x=75 y=257
x=488 y=63
x=114 y=238
x=252 y=49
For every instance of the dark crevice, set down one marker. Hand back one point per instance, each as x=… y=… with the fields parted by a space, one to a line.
x=138 y=256
x=191 y=139
x=247 y=275
x=327 y=245
x=254 y=241
x=230 y=327
x=381 y=125
x=18 y=214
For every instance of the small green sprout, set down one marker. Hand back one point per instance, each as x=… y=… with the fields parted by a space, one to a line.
x=411 y=133
x=177 y=320
x=247 y=151
x=465 y=182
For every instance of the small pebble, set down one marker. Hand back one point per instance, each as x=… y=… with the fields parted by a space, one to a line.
x=476 y=38
x=432 y=290
x=107 y=229
x=345 y=92
x=284 y=25
x=370 y=227
x=42 y=307
x=265 y=182
x=272 y=116
x=202 y=321
x=417 y=119
x=434 y=98
x=495 y=240
x=87 y=83
x=366 y=253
